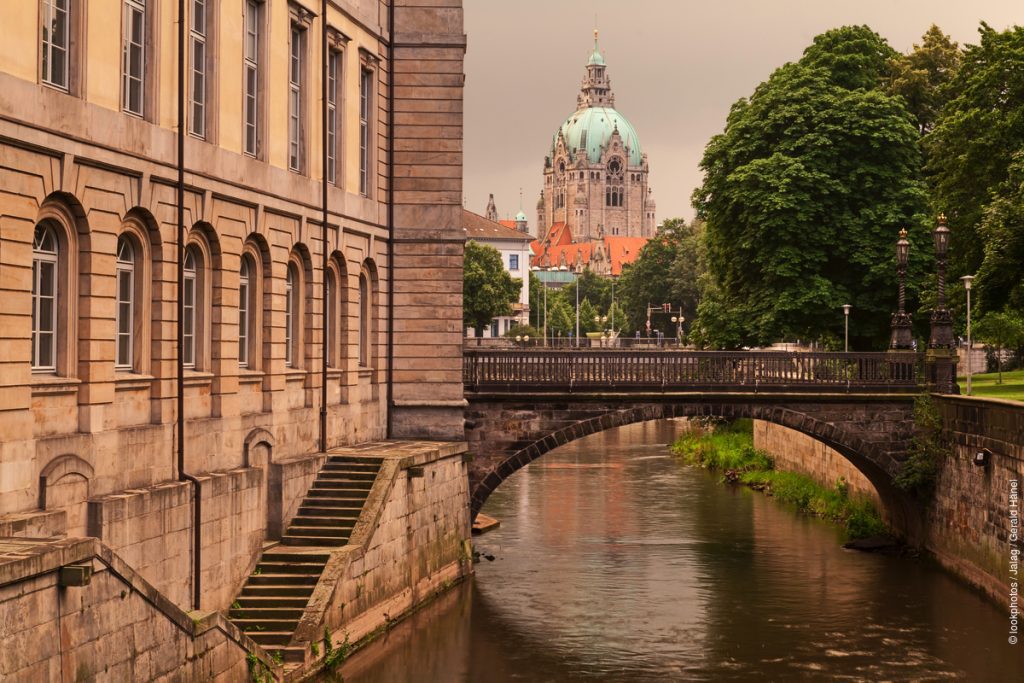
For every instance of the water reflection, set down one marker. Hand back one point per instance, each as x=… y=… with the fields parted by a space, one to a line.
x=615 y=563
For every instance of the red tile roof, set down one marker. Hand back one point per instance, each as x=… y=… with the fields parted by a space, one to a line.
x=479 y=228
x=557 y=243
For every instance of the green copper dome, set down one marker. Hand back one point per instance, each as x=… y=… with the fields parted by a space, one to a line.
x=596 y=58
x=520 y=217
x=598 y=123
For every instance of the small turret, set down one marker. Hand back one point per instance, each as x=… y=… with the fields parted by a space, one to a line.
x=492 y=211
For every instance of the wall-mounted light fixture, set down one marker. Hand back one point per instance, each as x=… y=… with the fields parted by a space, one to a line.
x=982 y=456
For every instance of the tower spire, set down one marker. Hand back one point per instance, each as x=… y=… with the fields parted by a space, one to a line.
x=596 y=90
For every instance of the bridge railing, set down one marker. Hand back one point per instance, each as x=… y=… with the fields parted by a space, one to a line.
x=672 y=370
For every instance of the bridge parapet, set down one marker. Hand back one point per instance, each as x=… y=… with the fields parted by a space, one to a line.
x=743 y=371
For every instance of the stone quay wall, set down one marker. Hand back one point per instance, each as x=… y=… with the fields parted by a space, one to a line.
x=796 y=452
x=968 y=526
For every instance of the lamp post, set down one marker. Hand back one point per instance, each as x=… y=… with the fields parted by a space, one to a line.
x=846 y=327
x=679 y=320
x=901 y=337
x=601 y=320
x=967 y=279
x=942 y=374
x=613 y=303
x=577 y=270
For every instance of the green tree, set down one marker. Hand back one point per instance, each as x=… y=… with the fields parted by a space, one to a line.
x=617 y=319
x=921 y=76
x=669 y=269
x=536 y=301
x=596 y=289
x=1003 y=330
x=487 y=289
x=1000 y=282
x=587 y=313
x=561 y=318
x=972 y=147
x=803 y=196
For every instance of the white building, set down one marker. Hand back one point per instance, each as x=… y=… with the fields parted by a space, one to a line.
x=514 y=247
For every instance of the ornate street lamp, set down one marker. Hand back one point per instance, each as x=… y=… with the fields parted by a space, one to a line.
x=941 y=352
x=902 y=337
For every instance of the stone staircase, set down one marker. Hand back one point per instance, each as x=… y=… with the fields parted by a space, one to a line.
x=276 y=593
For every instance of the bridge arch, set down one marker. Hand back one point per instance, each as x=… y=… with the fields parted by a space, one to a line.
x=506 y=436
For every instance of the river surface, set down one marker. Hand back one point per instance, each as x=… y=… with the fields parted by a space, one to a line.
x=615 y=562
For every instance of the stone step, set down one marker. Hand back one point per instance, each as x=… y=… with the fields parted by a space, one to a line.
x=251 y=626
x=290 y=568
x=250 y=614
x=329 y=475
x=363 y=460
x=350 y=467
x=350 y=497
x=352 y=484
x=326 y=531
x=301 y=558
x=264 y=601
x=271 y=638
x=341 y=522
x=282 y=579
x=321 y=510
x=251 y=590
x=313 y=541
x=291 y=654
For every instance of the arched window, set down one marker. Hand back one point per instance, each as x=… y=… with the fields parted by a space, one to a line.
x=291 y=308
x=190 y=302
x=124 y=323
x=365 y=303
x=45 y=276
x=245 y=309
x=329 y=314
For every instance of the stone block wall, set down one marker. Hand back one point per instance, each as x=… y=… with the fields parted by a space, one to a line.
x=796 y=452
x=969 y=523
x=117 y=627
x=151 y=529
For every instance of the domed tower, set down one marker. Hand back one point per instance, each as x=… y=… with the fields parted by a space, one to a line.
x=595 y=175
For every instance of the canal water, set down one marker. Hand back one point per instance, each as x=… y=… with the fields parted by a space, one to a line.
x=614 y=562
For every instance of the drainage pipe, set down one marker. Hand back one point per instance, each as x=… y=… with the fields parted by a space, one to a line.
x=391 y=221
x=323 y=226
x=197 y=516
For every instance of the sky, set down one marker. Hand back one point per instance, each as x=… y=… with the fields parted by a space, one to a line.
x=676 y=67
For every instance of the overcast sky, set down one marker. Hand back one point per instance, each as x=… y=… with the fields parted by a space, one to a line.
x=676 y=67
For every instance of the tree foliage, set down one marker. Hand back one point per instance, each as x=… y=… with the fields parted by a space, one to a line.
x=669 y=269
x=972 y=150
x=921 y=76
x=488 y=291
x=1003 y=330
x=803 y=196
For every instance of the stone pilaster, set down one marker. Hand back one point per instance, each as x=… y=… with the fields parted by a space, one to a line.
x=429 y=47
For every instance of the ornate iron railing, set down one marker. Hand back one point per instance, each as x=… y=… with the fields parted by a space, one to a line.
x=673 y=370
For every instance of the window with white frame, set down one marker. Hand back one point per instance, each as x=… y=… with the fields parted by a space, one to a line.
x=251 y=76
x=329 y=315
x=333 y=74
x=291 y=292
x=365 y=91
x=124 y=323
x=189 y=303
x=513 y=262
x=56 y=43
x=244 y=311
x=133 y=48
x=45 y=275
x=198 y=71
x=296 y=65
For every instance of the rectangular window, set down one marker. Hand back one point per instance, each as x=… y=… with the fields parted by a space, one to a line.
x=333 y=71
x=296 y=64
x=243 y=320
x=125 y=285
x=328 y=317
x=251 y=76
x=365 y=84
x=133 y=42
x=197 y=75
x=513 y=262
x=188 y=351
x=56 y=36
x=494 y=328
x=44 y=315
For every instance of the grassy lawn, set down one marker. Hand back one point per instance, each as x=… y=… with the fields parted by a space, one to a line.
x=1012 y=387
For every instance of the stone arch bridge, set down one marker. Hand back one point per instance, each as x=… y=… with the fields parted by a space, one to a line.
x=524 y=403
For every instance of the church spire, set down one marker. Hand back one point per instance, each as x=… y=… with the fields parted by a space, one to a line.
x=492 y=211
x=596 y=90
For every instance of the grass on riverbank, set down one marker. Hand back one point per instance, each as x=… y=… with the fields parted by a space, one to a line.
x=1012 y=387
x=729 y=449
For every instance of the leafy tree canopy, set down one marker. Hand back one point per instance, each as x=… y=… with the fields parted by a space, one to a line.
x=488 y=290
x=920 y=76
x=803 y=196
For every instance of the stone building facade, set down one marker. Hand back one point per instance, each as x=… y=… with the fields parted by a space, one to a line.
x=596 y=174
x=89 y=248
